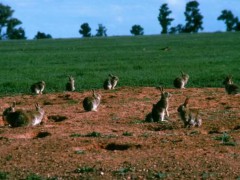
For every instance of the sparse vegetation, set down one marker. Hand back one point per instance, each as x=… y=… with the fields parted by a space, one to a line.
x=93 y=134
x=122 y=171
x=34 y=177
x=85 y=169
x=3 y=175
x=127 y=133
x=225 y=138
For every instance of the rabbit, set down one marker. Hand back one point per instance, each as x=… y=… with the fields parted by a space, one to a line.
x=159 y=109
x=165 y=49
x=70 y=86
x=92 y=103
x=229 y=86
x=180 y=82
x=38 y=87
x=20 y=118
x=190 y=117
x=111 y=82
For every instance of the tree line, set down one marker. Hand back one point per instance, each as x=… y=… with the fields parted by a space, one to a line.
x=9 y=26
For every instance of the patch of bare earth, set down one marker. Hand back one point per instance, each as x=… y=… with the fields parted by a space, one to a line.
x=116 y=143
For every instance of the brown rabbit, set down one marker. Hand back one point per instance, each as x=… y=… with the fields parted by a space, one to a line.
x=38 y=87
x=229 y=86
x=19 y=118
x=70 y=86
x=180 y=82
x=159 y=109
x=92 y=103
x=190 y=117
x=111 y=82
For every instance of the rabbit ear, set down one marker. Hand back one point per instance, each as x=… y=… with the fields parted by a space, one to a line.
x=160 y=88
x=37 y=105
x=186 y=101
x=110 y=75
x=93 y=92
x=13 y=104
x=182 y=72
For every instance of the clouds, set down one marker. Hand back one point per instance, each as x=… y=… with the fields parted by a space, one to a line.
x=62 y=18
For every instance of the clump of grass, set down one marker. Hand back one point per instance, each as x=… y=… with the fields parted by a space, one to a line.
x=93 y=134
x=3 y=175
x=85 y=169
x=225 y=139
x=160 y=175
x=75 y=135
x=127 y=133
x=8 y=158
x=34 y=177
x=122 y=171
x=80 y=152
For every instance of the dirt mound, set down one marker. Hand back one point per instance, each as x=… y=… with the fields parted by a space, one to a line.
x=116 y=143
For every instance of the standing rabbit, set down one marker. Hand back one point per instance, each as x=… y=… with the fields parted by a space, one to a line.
x=159 y=109
x=190 y=117
x=38 y=87
x=19 y=118
x=180 y=82
x=229 y=86
x=91 y=103
x=70 y=86
x=111 y=82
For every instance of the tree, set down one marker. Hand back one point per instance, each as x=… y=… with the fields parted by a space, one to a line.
x=232 y=23
x=176 y=30
x=193 y=17
x=8 y=24
x=163 y=19
x=193 y=20
x=85 y=30
x=41 y=35
x=101 y=31
x=17 y=34
x=137 y=30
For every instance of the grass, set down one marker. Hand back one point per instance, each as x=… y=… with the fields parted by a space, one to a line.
x=34 y=177
x=127 y=133
x=85 y=169
x=92 y=134
x=138 y=61
x=225 y=139
x=3 y=175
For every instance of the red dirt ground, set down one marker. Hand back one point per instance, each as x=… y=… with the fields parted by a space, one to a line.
x=116 y=143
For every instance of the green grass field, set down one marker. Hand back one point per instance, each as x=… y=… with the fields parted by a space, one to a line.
x=138 y=61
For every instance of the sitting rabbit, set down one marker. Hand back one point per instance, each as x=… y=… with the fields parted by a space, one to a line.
x=190 y=117
x=229 y=86
x=159 y=109
x=37 y=88
x=111 y=82
x=19 y=118
x=180 y=82
x=70 y=86
x=91 y=103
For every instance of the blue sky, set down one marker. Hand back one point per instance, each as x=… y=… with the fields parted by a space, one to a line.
x=62 y=18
